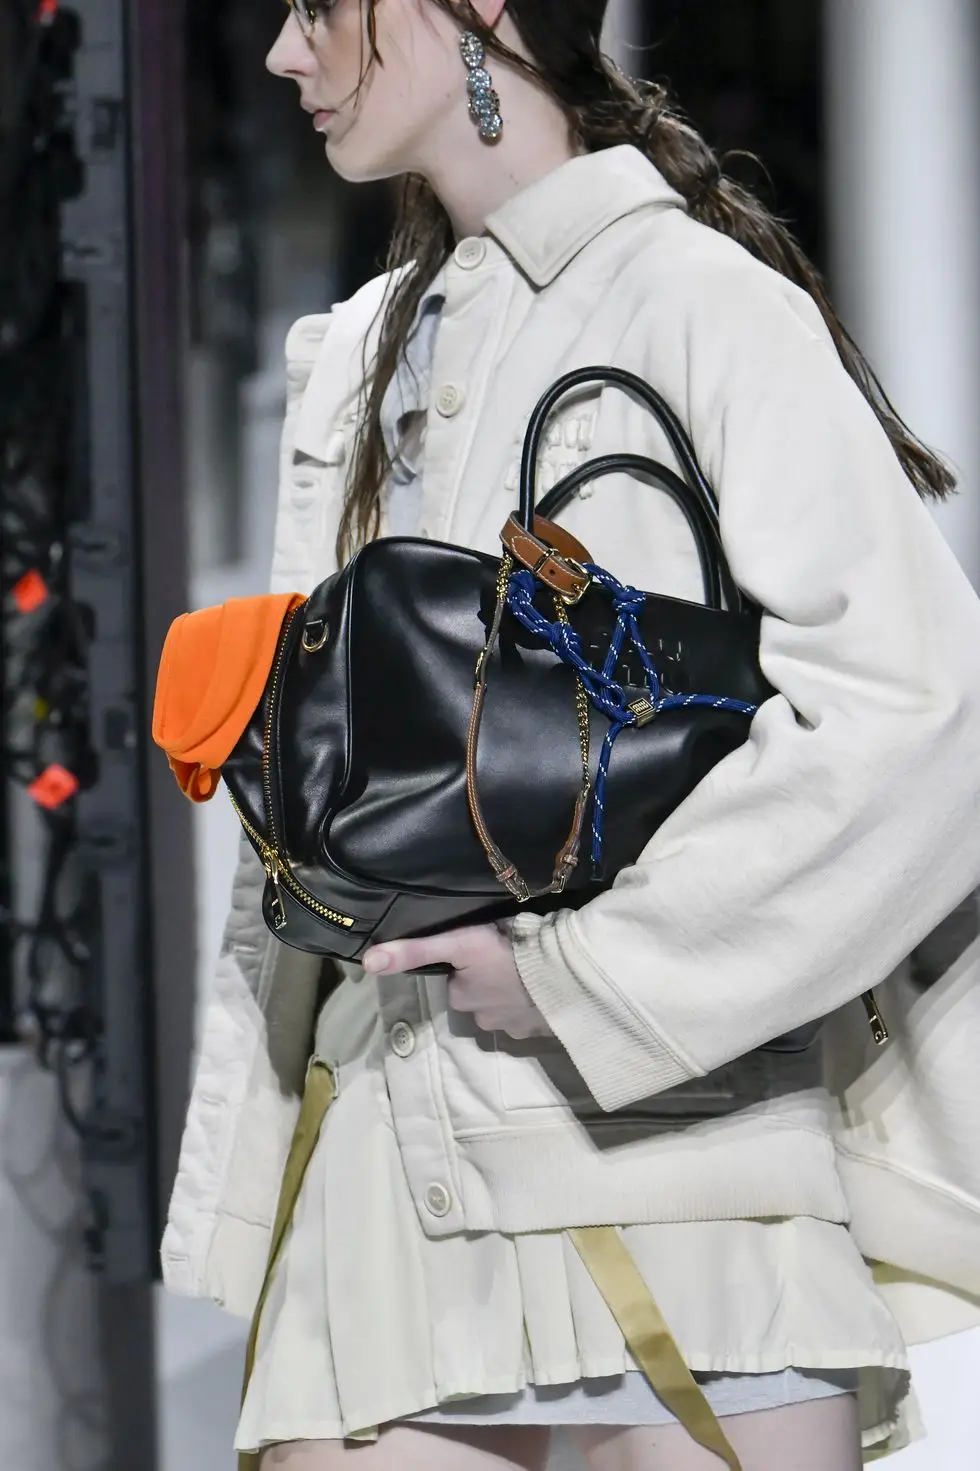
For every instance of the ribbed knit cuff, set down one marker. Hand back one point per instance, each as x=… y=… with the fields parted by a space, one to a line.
x=620 y=1056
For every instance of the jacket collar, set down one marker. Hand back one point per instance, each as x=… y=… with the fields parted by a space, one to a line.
x=542 y=229
x=545 y=227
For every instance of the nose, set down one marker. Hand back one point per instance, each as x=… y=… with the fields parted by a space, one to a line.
x=291 y=54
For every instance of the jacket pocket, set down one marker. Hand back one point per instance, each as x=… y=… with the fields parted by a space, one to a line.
x=540 y=1075
x=532 y=1075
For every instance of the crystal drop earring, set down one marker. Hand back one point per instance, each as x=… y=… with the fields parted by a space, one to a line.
x=483 y=100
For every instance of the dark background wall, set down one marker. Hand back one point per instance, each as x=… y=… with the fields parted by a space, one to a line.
x=749 y=76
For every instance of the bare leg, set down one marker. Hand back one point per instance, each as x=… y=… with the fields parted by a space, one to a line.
x=816 y=1435
x=420 y=1448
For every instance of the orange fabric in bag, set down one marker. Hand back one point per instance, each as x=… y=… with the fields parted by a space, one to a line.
x=213 y=670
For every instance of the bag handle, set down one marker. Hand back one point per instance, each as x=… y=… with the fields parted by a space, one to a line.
x=530 y=540
x=716 y=579
x=694 y=494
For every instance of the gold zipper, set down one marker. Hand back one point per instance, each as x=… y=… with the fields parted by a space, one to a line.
x=267 y=742
x=275 y=865
x=278 y=872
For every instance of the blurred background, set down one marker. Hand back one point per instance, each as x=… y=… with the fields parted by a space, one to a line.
x=165 y=213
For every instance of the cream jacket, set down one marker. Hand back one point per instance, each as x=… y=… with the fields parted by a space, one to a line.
x=807 y=867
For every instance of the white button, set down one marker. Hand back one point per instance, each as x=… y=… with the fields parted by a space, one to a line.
x=402 y=1039
x=470 y=253
x=438 y=1201
x=449 y=400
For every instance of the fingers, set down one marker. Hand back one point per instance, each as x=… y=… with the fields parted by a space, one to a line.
x=468 y=996
x=483 y=980
x=519 y=1029
x=467 y=993
x=523 y=1029
x=448 y=948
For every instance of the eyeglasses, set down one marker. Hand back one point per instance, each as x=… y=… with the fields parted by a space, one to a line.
x=308 y=12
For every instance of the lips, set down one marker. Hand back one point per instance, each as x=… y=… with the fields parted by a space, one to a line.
x=318 y=114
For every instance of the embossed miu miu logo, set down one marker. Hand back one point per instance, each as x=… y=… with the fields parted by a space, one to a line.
x=566 y=445
x=666 y=653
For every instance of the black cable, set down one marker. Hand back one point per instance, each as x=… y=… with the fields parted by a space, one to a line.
x=44 y=983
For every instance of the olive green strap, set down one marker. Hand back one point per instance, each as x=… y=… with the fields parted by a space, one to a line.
x=600 y=1247
x=319 y=1093
x=648 y=1338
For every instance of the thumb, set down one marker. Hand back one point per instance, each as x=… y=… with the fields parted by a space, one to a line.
x=410 y=955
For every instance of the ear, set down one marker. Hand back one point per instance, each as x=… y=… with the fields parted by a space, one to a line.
x=489 y=11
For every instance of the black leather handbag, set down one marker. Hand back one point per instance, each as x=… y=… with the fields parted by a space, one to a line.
x=424 y=754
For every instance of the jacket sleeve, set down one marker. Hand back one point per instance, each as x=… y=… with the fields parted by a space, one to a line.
x=812 y=860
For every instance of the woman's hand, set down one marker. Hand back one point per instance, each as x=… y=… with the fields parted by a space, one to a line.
x=485 y=979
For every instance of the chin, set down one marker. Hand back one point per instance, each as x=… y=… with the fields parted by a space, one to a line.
x=355 y=170
x=357 y=164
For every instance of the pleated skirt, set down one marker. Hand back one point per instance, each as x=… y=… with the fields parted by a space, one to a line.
x=368 y=1320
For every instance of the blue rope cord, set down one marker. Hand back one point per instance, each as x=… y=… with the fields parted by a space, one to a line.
x=600 y=686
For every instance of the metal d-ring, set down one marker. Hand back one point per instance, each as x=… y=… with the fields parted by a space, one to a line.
x=312 y=641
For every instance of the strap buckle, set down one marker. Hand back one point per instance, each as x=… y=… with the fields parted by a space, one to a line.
x=583 y=578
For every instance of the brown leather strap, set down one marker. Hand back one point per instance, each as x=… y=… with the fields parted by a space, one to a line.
x=563 y=541
x=505 y=870
x=552 y=554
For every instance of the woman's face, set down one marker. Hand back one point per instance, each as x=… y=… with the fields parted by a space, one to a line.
x=389 y=124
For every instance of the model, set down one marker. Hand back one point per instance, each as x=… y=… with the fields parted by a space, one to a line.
x=641 y=1169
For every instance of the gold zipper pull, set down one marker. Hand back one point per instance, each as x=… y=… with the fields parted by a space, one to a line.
x=878 y=1029
x=278 y=909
